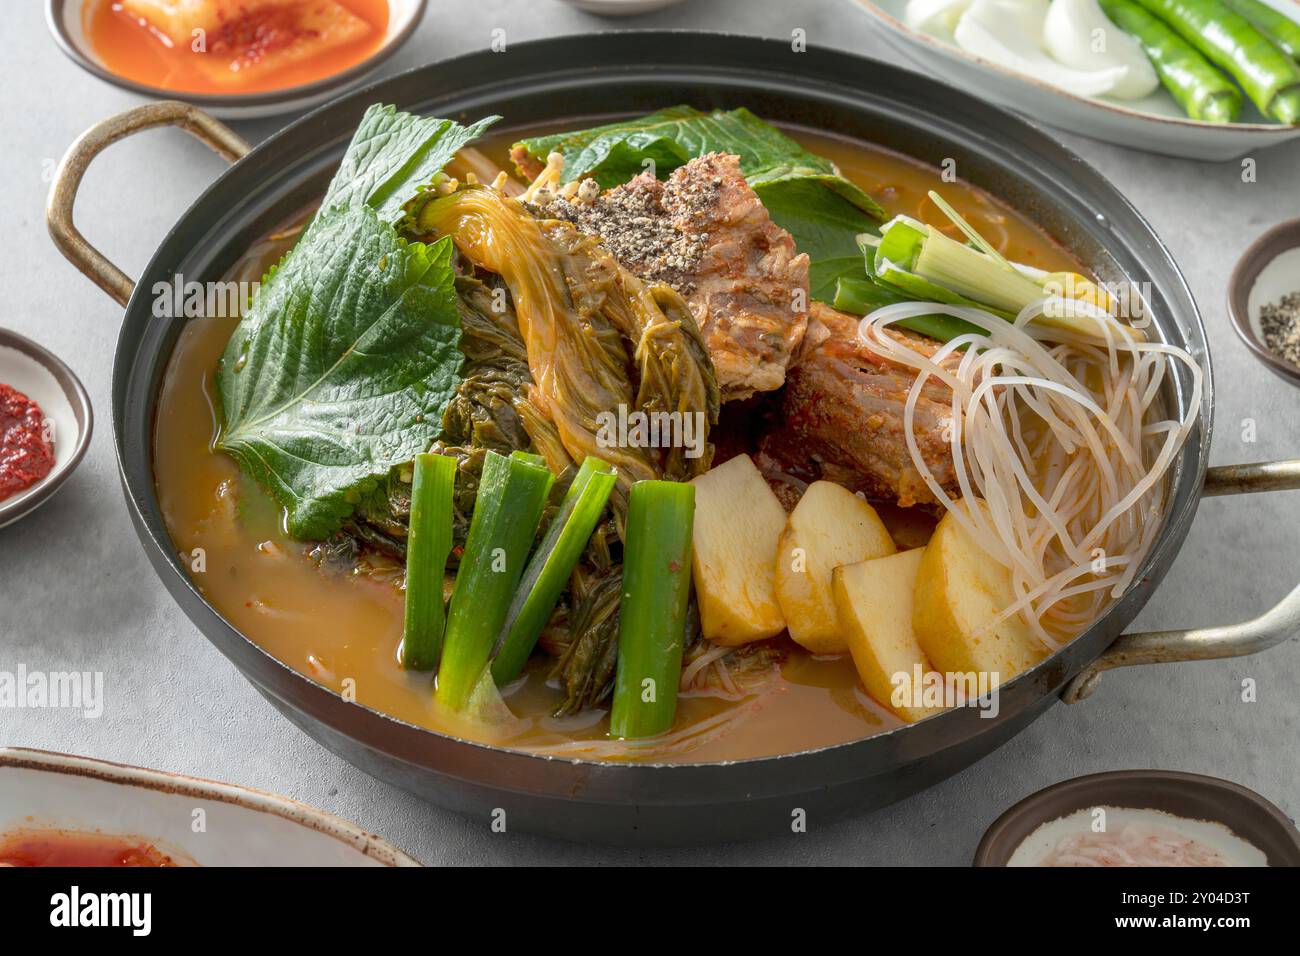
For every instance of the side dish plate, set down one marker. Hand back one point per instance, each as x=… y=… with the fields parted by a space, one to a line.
x=1190 y=796
x=1153 y=124
x=242 y=827
x=65 y=19
x=44 y=377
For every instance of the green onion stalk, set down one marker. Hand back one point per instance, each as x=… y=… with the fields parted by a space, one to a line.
x=923 y=264
x=652 y=615
x=864 y=296
x=512 y=493
x=927 y=265
x=428 y=546
x=549 y=569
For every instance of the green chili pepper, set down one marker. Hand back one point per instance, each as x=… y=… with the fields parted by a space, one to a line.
x=1270 y=78
x=1274 y=24
x=1201 y=90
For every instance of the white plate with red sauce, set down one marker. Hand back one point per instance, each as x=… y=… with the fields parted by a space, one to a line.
x=125 y=48
x=60 y=428
x=60 y=809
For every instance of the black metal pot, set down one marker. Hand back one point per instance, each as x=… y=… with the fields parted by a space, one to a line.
x=626 y=73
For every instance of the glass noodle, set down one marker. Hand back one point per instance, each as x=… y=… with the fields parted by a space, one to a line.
x=1057 y=454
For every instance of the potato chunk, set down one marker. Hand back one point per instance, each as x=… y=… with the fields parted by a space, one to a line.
x=737 y=524
x=959 y=591
x=874 y=599
x=831 y=526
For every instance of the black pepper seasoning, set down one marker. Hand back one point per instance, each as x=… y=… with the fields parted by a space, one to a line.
x=1280 y=324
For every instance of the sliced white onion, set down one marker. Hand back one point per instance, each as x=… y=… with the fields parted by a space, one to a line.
x=1010 y=33
x=936 y=17
x=1079 y=35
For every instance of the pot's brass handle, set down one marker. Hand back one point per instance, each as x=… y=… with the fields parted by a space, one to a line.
x=67 y=179
x=1208 y=643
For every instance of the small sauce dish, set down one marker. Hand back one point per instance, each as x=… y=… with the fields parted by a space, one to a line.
x=1267 y=272
x=1187 y=796
x=95 y=34
x=43 y=377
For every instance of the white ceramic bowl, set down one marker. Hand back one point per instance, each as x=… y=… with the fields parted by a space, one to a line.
x=64 y=18
x=1154 y=124
x=240 y=827
x=1268 y=270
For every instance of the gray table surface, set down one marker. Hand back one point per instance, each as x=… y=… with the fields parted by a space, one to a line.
x=77 y=592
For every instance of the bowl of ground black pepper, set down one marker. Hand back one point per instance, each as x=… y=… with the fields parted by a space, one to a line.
x=1264 y=299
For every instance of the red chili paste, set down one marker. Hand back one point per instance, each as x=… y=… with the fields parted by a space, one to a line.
x=26 y=452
